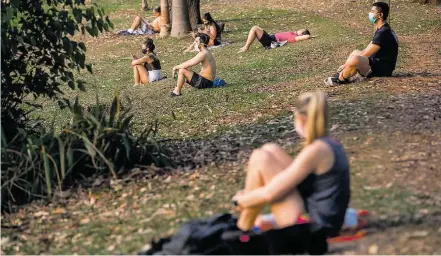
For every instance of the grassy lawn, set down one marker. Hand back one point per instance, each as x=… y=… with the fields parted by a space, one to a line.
x=199 y=112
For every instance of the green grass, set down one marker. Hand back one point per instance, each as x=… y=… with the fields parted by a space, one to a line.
x=202 y=108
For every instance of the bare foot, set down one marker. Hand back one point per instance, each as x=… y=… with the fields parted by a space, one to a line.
x=243 y=49
x=136 y=84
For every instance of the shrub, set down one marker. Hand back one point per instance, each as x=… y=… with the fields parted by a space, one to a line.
x=97 y=140
x=39 y=54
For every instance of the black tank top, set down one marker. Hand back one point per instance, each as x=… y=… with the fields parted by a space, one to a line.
x=155 y=65
x=326 y=196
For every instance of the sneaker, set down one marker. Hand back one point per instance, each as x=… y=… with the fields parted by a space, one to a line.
x=278 y=44
x=333 y=81
x=173 y=94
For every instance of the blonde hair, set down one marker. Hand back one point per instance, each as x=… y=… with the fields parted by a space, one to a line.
x=314 y=105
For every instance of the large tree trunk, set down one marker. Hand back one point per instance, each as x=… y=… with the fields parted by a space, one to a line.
x=180 y=21
x=165 y=19
x=144 y=5
x=194 y=13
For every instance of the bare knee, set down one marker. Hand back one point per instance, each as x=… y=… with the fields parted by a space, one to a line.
x=254 y=28
x=353 y=61
x=271 y=147
x=356 y=52
x=183 y=71
x=260 y=157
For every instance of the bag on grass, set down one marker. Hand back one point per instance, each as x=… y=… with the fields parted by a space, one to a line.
x=219 y=235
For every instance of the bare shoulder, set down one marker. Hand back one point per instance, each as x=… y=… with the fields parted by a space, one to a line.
x=319 y=147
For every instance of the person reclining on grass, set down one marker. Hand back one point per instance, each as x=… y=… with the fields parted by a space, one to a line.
x=380 y=56
x=266 y=39
x=316 y=180
x=208 y=72
x=211 y=29
x=146 y=69
x=144 y=27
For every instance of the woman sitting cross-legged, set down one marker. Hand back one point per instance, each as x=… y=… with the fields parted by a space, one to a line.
x=211 y=29
x=315 y=181
x=266 y=39
x=147 y=69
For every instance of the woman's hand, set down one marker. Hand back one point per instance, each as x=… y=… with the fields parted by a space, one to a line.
x=236 y=198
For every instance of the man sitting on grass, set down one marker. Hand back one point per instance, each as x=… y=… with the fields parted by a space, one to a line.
x=208 y=72
x=380 y=56
x=140 y=26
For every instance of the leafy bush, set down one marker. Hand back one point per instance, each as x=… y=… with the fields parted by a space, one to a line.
x=98 y=140
x=39 y=53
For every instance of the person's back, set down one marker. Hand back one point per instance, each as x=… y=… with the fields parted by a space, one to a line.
x=327 y=195
x=208 y=69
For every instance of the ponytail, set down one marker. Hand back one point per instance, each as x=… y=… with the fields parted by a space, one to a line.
x=314 y=106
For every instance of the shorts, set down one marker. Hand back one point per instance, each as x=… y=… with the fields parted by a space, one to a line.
x=379 y=68
x=200 y=82
x=145 y=29
x=297 y=239
x=154 y=75
x=267 y=39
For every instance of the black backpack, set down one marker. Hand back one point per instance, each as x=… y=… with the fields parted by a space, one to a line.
x=219 y=235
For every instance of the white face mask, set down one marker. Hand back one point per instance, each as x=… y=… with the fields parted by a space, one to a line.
x=196 y=48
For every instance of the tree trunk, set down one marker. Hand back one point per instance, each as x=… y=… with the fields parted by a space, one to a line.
x=180 y=21
x=165 y=19
x=194 y=12
x=144 y=5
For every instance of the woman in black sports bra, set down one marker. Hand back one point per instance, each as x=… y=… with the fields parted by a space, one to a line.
x=147 y=69
x=316 y=181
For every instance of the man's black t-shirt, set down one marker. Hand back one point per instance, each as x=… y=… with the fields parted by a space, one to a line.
x=386 y=57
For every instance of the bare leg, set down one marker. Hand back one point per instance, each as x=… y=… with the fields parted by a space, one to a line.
x=136 y=23
x=136 y=76
x=354 y=53
x=255 y=32
x=183 y=74
x=143 y=74
x=353 y=64
x=264 y=164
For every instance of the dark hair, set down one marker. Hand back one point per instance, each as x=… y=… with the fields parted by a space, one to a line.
x=204 y=39
x=211 y=21
x=157 y=9
x=149 y=44
x=383 y=8
x=306 y=32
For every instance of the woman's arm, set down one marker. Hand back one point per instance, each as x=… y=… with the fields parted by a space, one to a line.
x=304 y=164
x=142 y=60
x=213 y=32
x=301 y=38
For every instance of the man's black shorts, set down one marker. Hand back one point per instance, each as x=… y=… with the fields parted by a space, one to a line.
x=200 y=82
x=379 y=68
x=266 y=39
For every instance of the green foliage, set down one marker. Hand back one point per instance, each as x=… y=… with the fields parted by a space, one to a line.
x=98 y=140
x=39 y=53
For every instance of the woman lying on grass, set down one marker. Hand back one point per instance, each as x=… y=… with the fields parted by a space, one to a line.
x=315 y=181
x=146 y=69
x=266 y=39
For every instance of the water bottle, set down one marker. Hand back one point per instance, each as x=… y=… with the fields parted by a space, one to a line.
x=350 y=218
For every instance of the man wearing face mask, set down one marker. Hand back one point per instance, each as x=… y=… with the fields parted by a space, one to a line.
x=208 y=71
x=380 y=56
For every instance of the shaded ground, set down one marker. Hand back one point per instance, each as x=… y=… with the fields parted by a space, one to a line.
x=390 y=128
